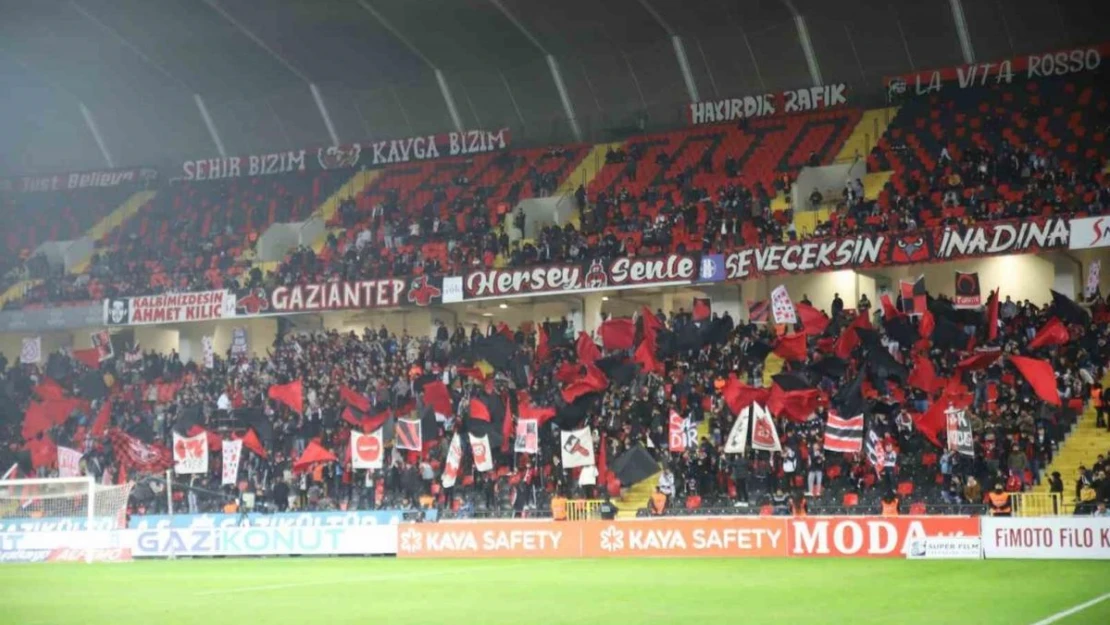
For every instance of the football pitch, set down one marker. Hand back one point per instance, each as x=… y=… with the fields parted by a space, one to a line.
x=495 y=592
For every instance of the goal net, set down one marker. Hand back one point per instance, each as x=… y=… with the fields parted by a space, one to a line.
x=51 y=515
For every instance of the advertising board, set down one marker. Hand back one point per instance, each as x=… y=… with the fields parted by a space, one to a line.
x=262 y=541
x=1047 y=538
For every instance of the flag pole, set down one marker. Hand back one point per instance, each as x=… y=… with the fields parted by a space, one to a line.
x=169 y=494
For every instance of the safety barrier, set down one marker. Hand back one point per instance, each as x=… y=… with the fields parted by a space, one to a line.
x=1037 y=504
x=583 y=509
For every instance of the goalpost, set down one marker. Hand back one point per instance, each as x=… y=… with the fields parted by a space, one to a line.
x=63 y=513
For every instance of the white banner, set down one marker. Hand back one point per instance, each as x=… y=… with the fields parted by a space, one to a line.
x=527 y=436
x=577 y=447
x=1094 y=275
x=31 y=350
x=1089 y=232
x=190 y=453
x=262 y=541
x=240 y=344
x=1047 y=538
x=479 y=447
x=454 y=459
x=367 y=450
x=232 y=452
x=782 y=307
x=69 y=462
x=207 y=345
x=169 y=308
x=737 y=441
x=764 y=434
x=945 y=548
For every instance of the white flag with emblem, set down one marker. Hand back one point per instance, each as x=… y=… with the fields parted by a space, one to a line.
x=1094 y=275
x=232 y=452
x=764 y=434
x=454 y=459
x=577 y=447
x=367 y=450
x=737 y=441
x=479 y=447
x=31 y=351
x=782 y=307
x=190 y=453
x=69 y=462
x=209 y=351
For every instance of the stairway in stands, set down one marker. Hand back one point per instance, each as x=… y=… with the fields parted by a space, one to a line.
x=872 y=125
x=636 y=497
x=585 y=172
x=113 y=220
x=1081 y=447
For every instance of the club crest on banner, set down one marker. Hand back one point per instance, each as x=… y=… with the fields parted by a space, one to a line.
x=190 y=453
x=367 y=451
x=479 y=447
x=31 y=350
x=577 y=448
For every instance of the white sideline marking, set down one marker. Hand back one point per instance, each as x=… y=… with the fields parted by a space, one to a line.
x=370 y=578
x=1073 y=610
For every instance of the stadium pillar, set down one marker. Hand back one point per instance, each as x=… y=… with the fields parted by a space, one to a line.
x=961 y=30
x=807 y=49
x=591 y=312
x=449 y=100
x=725 y=298
x=91 y=123
x=211 y=126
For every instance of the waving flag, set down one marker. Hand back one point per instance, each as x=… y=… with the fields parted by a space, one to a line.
x=782 y=307
x=577 y=448
x=764 y=435
x=1052 y=333
x=618 y=333
x=844 y=435
x=291 y=394
x=737 y=441
x=454 y=460
x=232 y=452
x=682 y=434
x=190 y=453
x=367 y=450
x=483 y=455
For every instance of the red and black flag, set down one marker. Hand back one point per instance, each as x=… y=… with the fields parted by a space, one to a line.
x=291 y=394
x=651 y=323
x=703 y=308
x=759 y=312
x=914 y=296
x=587 y=349
x=436 y=395
x=792 y=347
x=968 y=294
x=739 y=396
x=814 y=322
x=1051 y=334
x=1068 y=311
x=407 y=435
x=792 y=397
x=591 y=379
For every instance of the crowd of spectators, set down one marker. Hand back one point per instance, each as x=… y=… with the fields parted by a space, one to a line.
x=1015 y=433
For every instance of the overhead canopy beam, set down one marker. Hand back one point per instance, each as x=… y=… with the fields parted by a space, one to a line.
x=161 y=69
x=679 y=52
x=316 y=96
x=961 y=30
x=91 y=123
x=441 y=79
x=552 y=65
x=806 y=44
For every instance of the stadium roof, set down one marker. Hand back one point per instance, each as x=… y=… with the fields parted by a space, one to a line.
x=135 y=66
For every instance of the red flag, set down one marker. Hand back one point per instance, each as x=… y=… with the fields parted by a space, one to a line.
x=702 y=308
x=133 y=453
x=645 y=356
x=889 y=310
x=849 y=339
x=436 y=396
x=42 y=416
x=792 y=347
x=251 y=442
x=505 y=330
x=981 y=360
x=926 y=326
x=933 y=421
x=992 y=316
x=44 y=453
x=619 y=333
x=593 y=381
x=508 y=427
x=542 y=350
x=103 y=420
x=1040 y=376
x=313 y=454
x=90 y=357
x=587 y=349
x=814 y=322
x=529 y=411
x=739 y=396
x=291 y=394
x=354 y=399
x=924 y=374
x=797 y=405
x=652 y=325
x=1052 y=333
x=567 y=372
x=49 y=389
x=215 y=443
x=479 y=410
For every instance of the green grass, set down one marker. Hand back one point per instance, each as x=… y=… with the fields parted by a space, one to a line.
x=494 y=592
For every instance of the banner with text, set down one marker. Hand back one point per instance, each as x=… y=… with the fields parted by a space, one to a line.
x=356 y=155
x=1047 y=538
x=78 y=180
x=1033 y=66
x=804 y=100
x=169 y=308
